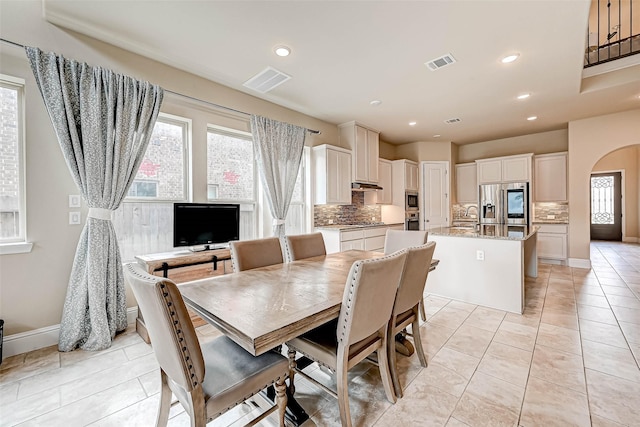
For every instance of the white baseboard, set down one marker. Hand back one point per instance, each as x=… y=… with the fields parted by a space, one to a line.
x=551 y=261
x=43 y=337
x=631 y=239
x=579 y=263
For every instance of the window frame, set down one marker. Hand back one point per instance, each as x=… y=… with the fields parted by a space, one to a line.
x=187 y=126
x=18 y=244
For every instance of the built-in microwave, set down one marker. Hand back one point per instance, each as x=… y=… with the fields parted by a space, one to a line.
x=411 y=201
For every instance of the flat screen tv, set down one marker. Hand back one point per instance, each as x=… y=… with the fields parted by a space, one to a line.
x=206 y=224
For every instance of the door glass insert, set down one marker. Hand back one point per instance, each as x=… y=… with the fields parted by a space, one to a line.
x=602 y=206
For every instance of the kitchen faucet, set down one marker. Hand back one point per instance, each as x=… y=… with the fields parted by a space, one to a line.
x=466 y=212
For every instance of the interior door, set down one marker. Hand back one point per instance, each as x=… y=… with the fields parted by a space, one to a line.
x=606 y=206
x=435 y=194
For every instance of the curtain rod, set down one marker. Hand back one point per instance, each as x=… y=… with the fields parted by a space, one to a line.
x=213 y=104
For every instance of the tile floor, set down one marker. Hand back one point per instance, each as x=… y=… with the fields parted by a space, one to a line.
x=571 y=359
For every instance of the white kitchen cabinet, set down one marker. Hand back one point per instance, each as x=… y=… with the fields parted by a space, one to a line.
x=368 y=238
x=552 y=242
x=365 y=149
x=404 y=177
x=550 y=182
x=411 y=175
x=505 y=169
x=332 y=170
x=385 y=196
x=466 y=183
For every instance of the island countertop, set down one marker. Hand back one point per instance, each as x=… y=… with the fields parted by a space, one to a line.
x=488 y=231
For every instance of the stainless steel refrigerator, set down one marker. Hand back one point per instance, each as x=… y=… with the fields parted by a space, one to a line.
x=504 y=203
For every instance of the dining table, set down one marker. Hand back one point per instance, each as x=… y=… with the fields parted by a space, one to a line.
x=262 y=308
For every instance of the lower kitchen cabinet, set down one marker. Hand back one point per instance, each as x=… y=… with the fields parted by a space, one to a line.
x=368 y=238
x=552 y=242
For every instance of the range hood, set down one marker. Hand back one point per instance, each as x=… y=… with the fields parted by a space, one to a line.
x=363 y=186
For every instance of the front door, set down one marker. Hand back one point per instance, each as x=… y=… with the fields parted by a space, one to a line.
x=435 y=194
x=606 y=206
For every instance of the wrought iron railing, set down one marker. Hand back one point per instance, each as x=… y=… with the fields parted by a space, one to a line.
x=612 y=34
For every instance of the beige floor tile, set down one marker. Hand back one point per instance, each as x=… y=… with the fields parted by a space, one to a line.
x=507 y=363
x=588 y=289
x=560 y=317
x=489 y=401
x=558 y=367
x=617 y=291
x=435 y=408
x=444 y=379
x=610 y=360
x=597 y=421
x=593 y=300
x=449 y=318
x=596 y=314
x=547 y=404
x=470 y=340
x=453 y=422
x=613 y=398
x=8 y=393
x=602 y=333
x=151 y=382
x=559 y=338
x=614 y=280
x=521 y=336
x=528 y=318
x=461 y=363
x=560 y=304
x=28 y=365
x=138 y=350
x=139 y=414
x=433 y=338
x=627 y=302
x=625 y=314
x=486 y=318
x=459 y=305
x=35 y=405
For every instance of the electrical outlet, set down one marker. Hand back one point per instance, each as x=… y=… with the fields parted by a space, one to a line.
x=551 y=217
x=480 y=255
x=373 y=218
x=74 y=200
x=74 y=218
x=330 y=221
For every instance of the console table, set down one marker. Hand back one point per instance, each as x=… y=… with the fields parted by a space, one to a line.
x=183 y=266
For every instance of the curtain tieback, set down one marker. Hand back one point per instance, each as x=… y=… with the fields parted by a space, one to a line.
x=278 y=222
x=99 y=213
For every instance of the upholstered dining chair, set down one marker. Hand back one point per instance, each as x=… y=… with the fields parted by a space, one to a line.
x=250 y=254
x=405 y=307
x=360 y=330
x=394 y=240
x=305 y=246
x=210 y=379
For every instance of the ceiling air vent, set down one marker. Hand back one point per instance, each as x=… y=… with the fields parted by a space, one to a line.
x=266 y=80
x=438 y=63
x=453 y=120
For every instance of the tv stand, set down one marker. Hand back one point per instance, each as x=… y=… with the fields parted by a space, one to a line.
x=185 y=266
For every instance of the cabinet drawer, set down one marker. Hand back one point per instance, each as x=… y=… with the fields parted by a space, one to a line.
x=374 y=232
x=351 y=235
x=374 y=243
x=352 y=244
x=553 y=228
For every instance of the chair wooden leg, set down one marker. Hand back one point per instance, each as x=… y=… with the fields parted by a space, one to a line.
x=198 y=411
x=391 y=357
x=384 y=367
x=165 y=401
x=281 y=400
x=423 y=314
x=343 y=392
x=417 y=339
x=292 y=370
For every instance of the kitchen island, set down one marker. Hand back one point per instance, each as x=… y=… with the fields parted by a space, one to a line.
x=484 y=265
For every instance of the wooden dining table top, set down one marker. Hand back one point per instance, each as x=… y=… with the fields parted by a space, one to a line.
x=264 y=307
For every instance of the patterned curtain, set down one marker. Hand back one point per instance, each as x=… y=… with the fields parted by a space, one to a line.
x=278 y=150
x=103 y=122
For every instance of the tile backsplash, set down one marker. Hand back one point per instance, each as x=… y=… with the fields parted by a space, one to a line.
x=355 y=213
x=543 y=211
x=467 y=211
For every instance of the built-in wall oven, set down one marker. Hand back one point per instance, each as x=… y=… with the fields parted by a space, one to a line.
x=411 y=201
x=412 y=221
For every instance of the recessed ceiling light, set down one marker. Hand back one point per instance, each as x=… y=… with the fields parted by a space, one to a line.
x=532 y=118
x=375 y=102
x=524 y=96
x=510 y=58
x=282 y=50
x=413 y=123
x=437 y=135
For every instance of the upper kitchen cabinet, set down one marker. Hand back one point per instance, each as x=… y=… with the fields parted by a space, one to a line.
x=411 y=175
x=332 y=170
x=466 y=183
x=365 y=148
x=385 y=196
x=404 y=177
x=550 y=177
x=504 y=169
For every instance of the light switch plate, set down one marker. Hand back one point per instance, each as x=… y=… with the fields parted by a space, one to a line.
x=74 y=200
x=74 y=218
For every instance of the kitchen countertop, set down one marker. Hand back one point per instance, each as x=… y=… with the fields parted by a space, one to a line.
x=488 y=231
x=551 y=221
x=355 y=226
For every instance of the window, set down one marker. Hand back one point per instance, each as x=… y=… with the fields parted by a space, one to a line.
x=12 y=195
x=231 y=174
x=144 y=221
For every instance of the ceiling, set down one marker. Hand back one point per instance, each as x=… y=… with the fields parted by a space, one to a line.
x=347 y=53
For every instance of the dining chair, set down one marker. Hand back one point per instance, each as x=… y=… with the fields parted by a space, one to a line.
x=305 y=246
x=250 y=254
x=360 y=329
x=207 y=380
x=405 y=307
x=394 y=240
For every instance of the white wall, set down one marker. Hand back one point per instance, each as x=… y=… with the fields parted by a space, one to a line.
x=33 y=286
